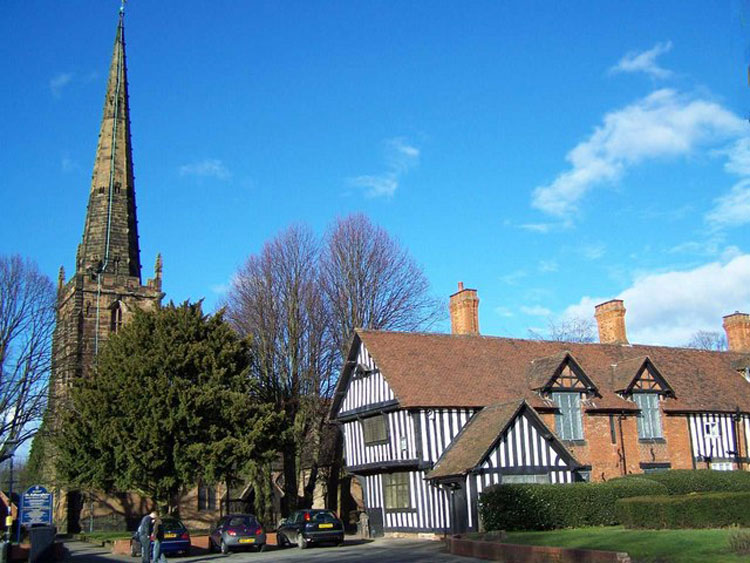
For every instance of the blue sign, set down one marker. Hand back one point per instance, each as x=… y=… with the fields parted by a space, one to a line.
x=36 y=507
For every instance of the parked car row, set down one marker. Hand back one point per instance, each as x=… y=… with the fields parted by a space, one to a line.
x=243 y=531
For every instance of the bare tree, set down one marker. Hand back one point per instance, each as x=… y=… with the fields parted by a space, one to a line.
x=371 y=281
x=569 y=329
x=299 y=305
x=708 y=340
x=27 y=319
x=275 y=299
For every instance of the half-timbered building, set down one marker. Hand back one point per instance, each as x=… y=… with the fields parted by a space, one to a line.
x=431 y=420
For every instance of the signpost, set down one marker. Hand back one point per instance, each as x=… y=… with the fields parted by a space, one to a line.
x=36 y=507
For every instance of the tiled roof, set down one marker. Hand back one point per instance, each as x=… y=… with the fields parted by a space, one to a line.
x=541 y=369
x=439 y=370
x=475 y=440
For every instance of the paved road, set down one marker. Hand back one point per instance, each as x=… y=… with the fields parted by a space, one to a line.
x=377 y=551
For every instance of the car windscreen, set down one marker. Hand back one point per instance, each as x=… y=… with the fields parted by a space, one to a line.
x=172 y=524
x=247 y=521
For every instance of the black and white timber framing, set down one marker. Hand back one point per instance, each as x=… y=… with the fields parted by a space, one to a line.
x=713 y=437
x=397 y=451
x=415 y=440
x=521 y=449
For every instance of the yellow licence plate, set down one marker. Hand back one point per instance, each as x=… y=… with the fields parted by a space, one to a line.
x=325 y=525
x=247 y=540
x=169 y=536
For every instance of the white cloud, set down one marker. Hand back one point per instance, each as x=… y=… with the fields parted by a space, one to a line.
x=738 y=161
x=213 y=168
x=668 y=308
x=663 y=124
x=645 y=61
x=60 y=81
x=547 y=266
x=536 y=311
x=593 y=251
x=376 y=186
x=221 y=288
x=503 y=312
x=538 y=227
x=731 y=209
x=400 y=157
x=513 y=278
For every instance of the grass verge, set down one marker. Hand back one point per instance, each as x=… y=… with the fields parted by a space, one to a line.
x=663 y=546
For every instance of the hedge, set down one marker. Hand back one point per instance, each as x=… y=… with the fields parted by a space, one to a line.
x=546 y=507
x=695 y=510
x=684 y=481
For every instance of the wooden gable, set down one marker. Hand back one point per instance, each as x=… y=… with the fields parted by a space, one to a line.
x=560 y=372
x=568 y=380
x=642 y=376
x=361 y=387
x=569 y=376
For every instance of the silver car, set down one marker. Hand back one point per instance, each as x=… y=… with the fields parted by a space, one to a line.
x=237 y=531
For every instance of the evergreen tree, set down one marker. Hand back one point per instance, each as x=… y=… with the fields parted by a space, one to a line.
x=170 y=403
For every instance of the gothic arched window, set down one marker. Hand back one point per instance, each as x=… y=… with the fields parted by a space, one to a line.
x=115 y=318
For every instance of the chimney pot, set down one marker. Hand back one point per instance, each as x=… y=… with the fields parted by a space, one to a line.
x=464 y=309
x=737 y=327
x=610 y=319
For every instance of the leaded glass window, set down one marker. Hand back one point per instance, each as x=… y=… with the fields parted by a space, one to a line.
x=649 y=421
x=396 y=490
x=568 y=423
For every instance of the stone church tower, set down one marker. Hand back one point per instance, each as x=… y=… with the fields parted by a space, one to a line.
x=106 y=287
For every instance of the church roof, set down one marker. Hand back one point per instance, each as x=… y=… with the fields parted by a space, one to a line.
x=441 y=370
x=110 y=235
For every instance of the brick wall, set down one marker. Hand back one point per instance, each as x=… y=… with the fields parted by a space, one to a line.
x=605 y=454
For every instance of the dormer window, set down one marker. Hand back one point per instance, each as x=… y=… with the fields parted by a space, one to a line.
x=568 y=422
x=649 y=420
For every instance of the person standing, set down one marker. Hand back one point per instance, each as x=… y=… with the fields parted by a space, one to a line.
x=157 y=535
x=144 y=535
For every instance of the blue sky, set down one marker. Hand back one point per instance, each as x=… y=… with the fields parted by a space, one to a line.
x=550 y=155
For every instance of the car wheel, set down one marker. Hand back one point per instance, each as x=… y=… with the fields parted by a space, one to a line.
x=301 y=542
x=224 y=547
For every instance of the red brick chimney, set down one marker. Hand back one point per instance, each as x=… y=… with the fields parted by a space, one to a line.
x=610 y=318
x=737 y=327
x=464 y=307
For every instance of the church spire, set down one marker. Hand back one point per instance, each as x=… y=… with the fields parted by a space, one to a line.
x=110 y=234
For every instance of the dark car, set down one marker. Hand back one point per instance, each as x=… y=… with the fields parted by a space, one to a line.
x=237 y=531
x=306 y=527
x=176 y=539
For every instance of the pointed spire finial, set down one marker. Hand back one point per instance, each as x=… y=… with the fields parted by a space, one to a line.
x=122 y=6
